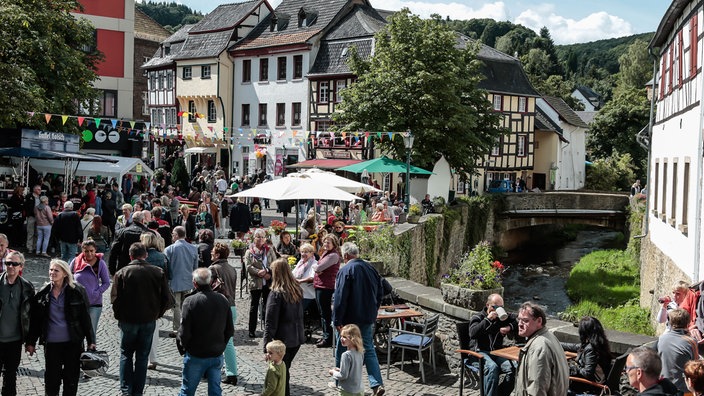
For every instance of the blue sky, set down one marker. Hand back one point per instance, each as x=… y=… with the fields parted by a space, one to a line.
x=569 y=21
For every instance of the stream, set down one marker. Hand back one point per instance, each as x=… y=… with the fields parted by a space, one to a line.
x=540 y=274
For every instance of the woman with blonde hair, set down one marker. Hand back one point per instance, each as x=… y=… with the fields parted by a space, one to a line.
x=187 y=220
x=349 y=374
x=62 y=339
x=284 y=313
x=304 y=273
x=258 y=259
x=156 y=257
x=324 y=283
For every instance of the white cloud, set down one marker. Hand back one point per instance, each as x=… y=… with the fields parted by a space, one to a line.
x=454 y=10
x=596 y=26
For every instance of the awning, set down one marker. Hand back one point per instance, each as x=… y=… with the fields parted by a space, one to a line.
x=119 y=167
x=201 y=150
x=324 y=163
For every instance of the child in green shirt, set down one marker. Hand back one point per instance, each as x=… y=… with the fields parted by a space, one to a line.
x=275 y=380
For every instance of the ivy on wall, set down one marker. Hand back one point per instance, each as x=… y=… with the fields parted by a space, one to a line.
x=403 y=249
x=430 y=228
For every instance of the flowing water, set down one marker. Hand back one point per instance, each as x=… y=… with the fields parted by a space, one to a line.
x=540 y=274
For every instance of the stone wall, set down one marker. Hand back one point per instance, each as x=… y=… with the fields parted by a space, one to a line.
x=657 y=275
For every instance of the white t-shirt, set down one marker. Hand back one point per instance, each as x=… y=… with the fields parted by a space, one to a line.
x=304 y=271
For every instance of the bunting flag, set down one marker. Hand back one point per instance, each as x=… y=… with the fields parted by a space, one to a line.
x=48 y=117
x=80 y=120
x=97 y=122
x=63 y=119
x=114 y=123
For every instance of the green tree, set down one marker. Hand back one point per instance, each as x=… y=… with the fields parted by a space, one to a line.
x=613 y=173
x=179 y=175
x=420 y=80
x=45 y=60
x=636 y=67
x=615 y=127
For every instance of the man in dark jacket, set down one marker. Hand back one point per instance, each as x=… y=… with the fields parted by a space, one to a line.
x=16 y=296
x=140 y=295
x=358 y=292
x=643 y=368
x=124 y=238
x=206 y=327
x=486 y=333
x=68 y=231
x=240 y=219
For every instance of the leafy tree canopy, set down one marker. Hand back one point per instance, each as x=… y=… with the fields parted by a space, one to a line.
x=613 y=173
x=636 y=67
x=420 y=80
x=171 y=15
x=45 y=60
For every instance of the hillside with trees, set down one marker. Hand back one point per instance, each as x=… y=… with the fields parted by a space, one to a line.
x=170 y=15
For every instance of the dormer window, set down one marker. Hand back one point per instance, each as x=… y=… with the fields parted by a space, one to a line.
x=273 y=26
x=167 y=49
x=306 y=17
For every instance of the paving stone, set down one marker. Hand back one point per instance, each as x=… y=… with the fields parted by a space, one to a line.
x=308 y=371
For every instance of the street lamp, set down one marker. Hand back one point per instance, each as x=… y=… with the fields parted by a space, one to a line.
x=408 y=143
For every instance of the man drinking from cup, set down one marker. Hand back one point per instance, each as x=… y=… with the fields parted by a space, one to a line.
x=487 y=330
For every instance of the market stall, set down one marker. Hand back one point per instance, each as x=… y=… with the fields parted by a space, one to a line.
x=105 y=170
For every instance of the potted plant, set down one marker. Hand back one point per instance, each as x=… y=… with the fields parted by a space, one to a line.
x=238 y=246
x=414 y=212
x=439 y=204
x=473 y=278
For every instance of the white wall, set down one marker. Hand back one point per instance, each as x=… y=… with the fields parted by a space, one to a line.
x=439 y=182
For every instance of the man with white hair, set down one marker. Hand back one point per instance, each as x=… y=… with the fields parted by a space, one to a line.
x=68 y=231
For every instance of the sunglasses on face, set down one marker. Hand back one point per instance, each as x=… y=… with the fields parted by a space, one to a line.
x=13 y=263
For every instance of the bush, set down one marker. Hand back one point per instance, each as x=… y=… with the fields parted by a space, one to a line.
x=629 y=317
x=477 y=269
x=615 y=173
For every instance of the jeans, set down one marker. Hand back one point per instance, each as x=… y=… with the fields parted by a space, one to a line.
x=136 y=342
x=262 y=294
x=230 y=353
x=94 y=313
x=43 y=234
x=31 y=234
x=10 y=353
x=68 y=251
x=324 y=299
x=63 y=363
x=193 y=370
x=370 y=358
x=494 y=366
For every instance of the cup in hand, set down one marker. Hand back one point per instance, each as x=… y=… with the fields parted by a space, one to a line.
x=503 y=315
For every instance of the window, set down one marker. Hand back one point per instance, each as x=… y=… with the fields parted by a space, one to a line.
x=685 y=194
x=521 y=105
x=108 y=104
x=497 y=102
x=169 y=79
x=187 y=72
x=262 y=114
x=212 y=113
x=298 y=66
x=145 y=103
x=191 y=111
x=162 y=80
x=339 y=86
x=496 y=150
x=263 y=69
x=281 y=68
x=245 y=114
x=171 y=117
x=323 y=126
x=664 y=187
x=521 y=146
x=323 y=91
x=205 y=71
x=246 y=70
x=673 y=214
x=656 y=185
x=296 y=113
x=152 y=81
x=280 y=114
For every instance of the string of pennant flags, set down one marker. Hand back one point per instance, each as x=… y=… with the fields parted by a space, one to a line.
x=171 y=132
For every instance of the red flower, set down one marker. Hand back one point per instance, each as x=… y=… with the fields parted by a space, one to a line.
x=497 y=265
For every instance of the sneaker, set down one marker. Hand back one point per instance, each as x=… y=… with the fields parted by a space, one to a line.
x=151 y=366
x=378 y=391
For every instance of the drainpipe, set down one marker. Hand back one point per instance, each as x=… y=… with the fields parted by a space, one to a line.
x=698 y=216
x=651 y=118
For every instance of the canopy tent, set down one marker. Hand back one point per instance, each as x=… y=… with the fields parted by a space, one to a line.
x=323 y=163
x=200 y=150
x=111 y=166
x=383 y=164
x=334 y=180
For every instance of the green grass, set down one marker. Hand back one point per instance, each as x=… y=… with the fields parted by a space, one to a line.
x=606 y=284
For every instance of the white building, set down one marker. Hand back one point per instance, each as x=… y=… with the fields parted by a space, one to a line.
x=672 y=248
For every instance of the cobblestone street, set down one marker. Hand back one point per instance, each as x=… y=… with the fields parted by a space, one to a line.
x=308 y=374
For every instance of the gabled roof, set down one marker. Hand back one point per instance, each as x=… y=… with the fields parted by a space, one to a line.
x=212 y=35
x=668 y=22
x=174 y=42
x=503 y=73
x=319 y=14
x=565 y=112
x=357 y=30
x=146 y=28
x=544 y=123
x=587 y=116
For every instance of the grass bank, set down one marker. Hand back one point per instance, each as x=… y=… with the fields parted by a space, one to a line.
x=606 y=284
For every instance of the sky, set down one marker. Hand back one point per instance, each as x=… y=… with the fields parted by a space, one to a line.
x=569 y=21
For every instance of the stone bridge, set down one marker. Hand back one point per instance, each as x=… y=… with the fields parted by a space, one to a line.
x=524 y=210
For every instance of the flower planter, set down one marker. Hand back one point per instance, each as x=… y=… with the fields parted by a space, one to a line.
x=467 y=298
x=413 y=218
x=239 y=251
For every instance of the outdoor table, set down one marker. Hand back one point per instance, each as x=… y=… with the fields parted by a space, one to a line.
x=385 y=321
x=512 y=352
x=401 y=311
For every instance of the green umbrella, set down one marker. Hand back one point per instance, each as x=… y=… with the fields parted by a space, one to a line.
x=383 y=164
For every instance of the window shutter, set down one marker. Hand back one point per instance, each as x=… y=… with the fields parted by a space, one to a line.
x=693 y=45
x=680 y=53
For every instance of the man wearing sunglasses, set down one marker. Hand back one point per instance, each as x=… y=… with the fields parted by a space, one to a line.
x=16 y=295
x=643 y=368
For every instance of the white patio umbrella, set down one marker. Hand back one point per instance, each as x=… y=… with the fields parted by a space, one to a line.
x=334 y=180
x=296 y=187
